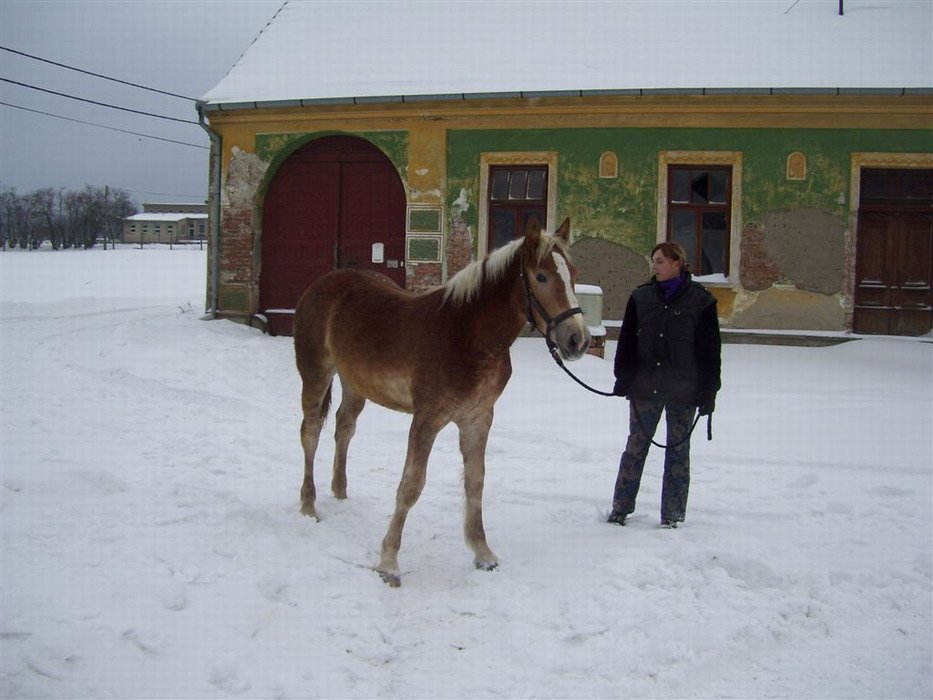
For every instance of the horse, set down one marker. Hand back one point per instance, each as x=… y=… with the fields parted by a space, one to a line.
x=441 y=356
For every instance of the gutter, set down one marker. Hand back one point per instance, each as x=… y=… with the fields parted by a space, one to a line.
x=636 y=92
x=214 y=202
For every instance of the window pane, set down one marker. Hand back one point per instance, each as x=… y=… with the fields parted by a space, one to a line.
x=536 y=184
x=503 y=227
x=714 y=243
x=683 y=231
x=699 y=186
x=519 y=185
x=918 y=185
x=534 y=213
x=500 y=184
x=680 y=186
x=718 y=186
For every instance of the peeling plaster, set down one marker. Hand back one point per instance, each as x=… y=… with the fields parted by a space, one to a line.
x=808 y=248
x=787 y=308
x=461 y=205
x=425 y=196
x=244 y=174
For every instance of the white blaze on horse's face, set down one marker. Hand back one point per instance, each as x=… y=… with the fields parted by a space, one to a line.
x=571 y=335
x=564 y=271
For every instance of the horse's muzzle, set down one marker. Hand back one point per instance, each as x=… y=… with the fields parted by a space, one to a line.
x=572 y=337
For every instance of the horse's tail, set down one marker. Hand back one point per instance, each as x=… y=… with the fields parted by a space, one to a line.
x=325 y=402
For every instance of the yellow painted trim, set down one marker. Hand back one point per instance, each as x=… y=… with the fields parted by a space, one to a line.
x=730 y=111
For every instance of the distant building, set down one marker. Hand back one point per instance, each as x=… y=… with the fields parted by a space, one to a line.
x=166 y=226
x=173 y=208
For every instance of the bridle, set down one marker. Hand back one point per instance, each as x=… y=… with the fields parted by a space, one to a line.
x=531 y=302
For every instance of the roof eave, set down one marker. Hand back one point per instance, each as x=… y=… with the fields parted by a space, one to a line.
x=538 y=94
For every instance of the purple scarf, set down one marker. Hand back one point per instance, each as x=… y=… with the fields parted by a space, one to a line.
x=670 y=287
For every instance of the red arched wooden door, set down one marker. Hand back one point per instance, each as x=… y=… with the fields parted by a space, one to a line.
x=326 y=207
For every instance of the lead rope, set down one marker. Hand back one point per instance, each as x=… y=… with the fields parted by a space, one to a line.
x=560 y=363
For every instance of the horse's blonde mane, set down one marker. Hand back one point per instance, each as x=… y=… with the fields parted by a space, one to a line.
x=466 y=285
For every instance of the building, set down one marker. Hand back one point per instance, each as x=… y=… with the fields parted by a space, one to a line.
x=788 y=147
x=173 y=207
x=167 y=223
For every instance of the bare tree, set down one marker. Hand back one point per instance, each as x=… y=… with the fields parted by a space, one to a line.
x=77 y=218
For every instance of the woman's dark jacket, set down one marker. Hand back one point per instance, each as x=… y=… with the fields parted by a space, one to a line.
x=669 y=350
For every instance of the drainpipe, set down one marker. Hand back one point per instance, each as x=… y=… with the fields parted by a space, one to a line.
x=214 y=203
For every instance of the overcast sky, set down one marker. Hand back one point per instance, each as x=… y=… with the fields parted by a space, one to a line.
x=179 y=46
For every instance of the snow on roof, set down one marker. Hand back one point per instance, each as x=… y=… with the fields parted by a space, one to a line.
x=339 y=50
x=164 y=216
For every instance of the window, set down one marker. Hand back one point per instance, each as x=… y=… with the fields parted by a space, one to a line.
x=699 y=215
x=517 y=193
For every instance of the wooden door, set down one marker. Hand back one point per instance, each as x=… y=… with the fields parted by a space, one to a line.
x=300 y=221
x=894 y=258
x=327 y=205
x=372 y=210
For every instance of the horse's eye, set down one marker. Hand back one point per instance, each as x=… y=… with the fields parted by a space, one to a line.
x=541 y=277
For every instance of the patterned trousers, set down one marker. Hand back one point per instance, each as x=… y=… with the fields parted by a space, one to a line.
x=676 y=481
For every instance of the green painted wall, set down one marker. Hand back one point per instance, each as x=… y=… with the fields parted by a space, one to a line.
x=623 y=209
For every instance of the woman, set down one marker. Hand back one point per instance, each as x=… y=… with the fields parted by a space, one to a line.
x=668 y=358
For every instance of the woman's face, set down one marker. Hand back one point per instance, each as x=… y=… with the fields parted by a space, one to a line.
x=664 y=268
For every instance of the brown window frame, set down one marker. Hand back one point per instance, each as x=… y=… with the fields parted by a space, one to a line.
x=700 y=207
x=512 y=207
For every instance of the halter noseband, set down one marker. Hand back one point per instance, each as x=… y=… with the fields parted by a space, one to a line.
x=533 y=303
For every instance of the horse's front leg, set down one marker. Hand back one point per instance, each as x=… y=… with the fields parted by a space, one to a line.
x=474 y=433
x=420 y=440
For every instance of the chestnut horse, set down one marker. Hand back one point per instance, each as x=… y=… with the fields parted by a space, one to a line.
x=442 y=356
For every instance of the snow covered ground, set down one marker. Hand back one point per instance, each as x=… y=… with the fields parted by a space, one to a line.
x=152 y=544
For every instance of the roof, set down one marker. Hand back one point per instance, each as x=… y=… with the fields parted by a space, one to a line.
x=400 y=50
x=165 y=216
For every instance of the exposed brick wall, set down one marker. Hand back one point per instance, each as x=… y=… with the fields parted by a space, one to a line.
x=757 y=270
x=459 y=247
x=239 y=257
x=236 y=246
x=422 y=276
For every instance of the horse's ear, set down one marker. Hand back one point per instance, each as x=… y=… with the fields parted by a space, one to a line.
x=563 y=232
x=533 y=230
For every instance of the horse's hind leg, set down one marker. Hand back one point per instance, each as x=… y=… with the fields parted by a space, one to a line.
x=474 y=433
x=350 y=407
x=315 y=402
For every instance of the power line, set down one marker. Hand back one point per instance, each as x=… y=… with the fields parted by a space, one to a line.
x=93 y=102
x=96 y=75
x=102 y=126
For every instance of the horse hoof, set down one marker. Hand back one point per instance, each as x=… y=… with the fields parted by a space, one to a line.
x=486 y=565
x=394 y=580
